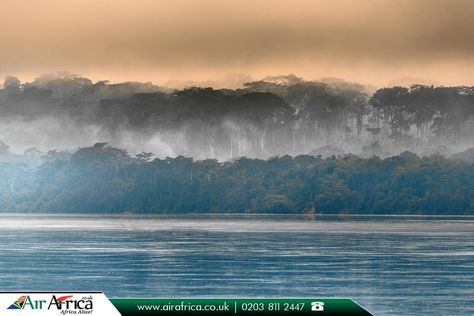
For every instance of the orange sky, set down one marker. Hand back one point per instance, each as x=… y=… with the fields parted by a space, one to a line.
x=370 y=41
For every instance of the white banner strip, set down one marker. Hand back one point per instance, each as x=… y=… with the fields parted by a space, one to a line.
x=56 y=303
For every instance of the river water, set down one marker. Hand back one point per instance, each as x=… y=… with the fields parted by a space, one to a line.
x=389 y=265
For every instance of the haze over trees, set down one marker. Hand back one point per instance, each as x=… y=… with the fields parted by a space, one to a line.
x=279 y=145
x=276 y=116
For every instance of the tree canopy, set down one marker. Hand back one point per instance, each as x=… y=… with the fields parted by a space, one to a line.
x=104 y=179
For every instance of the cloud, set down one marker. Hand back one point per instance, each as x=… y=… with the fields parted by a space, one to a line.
x=372 y=41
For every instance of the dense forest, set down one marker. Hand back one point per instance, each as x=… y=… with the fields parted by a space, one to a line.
x=105 y=179
x=275 y=116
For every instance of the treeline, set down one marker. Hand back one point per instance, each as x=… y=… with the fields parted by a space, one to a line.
x=104 y=179
x=275 y=116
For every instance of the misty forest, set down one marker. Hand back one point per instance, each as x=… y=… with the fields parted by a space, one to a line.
x=279 y=145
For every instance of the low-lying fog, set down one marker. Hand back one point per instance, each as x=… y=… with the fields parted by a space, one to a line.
x=275 y=116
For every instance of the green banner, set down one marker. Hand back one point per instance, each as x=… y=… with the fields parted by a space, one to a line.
x=229 y=306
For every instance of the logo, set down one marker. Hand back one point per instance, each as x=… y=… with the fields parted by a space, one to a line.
x=18 y=303
x=56 y=303
x=64 y=304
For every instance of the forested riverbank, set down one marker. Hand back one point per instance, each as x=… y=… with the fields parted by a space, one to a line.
x=104 y=179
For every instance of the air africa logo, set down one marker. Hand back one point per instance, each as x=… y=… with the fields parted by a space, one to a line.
x=63 y=304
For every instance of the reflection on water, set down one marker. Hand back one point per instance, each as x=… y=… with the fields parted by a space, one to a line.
x=391 y=267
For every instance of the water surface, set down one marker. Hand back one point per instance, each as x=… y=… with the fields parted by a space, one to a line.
x=390 y=265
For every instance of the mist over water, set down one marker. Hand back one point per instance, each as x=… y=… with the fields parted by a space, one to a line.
x=278 y=115
x=391 y=267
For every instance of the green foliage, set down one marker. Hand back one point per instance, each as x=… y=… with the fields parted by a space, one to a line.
x=104 y=179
